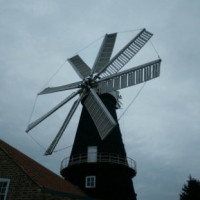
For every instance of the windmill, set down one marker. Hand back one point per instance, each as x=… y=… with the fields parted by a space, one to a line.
x=99 y=84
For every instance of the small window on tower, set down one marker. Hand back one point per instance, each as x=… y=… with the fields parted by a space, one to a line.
x=4 y=184
x=90 y=181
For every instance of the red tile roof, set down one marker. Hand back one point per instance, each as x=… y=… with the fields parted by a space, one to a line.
x=39 y=174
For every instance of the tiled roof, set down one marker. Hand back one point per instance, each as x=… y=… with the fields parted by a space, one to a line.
x=42 y=176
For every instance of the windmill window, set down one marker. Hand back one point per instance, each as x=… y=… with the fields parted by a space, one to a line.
x=4 y=184
x=90 y=181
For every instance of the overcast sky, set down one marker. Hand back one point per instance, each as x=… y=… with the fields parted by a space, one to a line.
x=161 y=129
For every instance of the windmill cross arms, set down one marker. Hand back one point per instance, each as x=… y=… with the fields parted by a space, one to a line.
x=129 y=77
x=126 y=54
x=54 y=109
x=105 y=52
x=101 y=117
x=80 y=66
x=64 y=125
x=61 y=88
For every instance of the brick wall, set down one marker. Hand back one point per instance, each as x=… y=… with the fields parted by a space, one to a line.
x=21 y=185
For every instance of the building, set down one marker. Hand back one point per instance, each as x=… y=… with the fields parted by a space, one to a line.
x=22 y=178
x=100 y=168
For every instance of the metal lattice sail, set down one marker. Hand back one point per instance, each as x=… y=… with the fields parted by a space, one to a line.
x=103 y=77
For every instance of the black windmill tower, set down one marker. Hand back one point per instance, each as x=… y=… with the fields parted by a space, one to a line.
x=98 y=163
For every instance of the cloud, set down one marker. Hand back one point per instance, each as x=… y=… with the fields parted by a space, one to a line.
x=160 y=129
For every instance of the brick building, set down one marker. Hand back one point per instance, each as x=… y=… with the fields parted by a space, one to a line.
x=21 y=178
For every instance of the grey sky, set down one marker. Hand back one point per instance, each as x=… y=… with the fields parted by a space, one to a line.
x=161 y=130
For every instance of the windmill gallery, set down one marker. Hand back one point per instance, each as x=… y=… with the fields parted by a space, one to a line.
x=98 y=163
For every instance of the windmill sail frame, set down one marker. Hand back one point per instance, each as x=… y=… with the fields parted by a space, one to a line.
x=103 y=77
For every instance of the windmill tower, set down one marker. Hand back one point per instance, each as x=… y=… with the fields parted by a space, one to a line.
x=98 y=163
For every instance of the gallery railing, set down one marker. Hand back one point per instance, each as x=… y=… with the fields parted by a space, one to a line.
x=98 y=158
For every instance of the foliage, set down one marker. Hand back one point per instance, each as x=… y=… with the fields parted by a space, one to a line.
x=191 y=190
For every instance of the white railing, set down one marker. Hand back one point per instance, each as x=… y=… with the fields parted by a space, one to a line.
x=99 y=158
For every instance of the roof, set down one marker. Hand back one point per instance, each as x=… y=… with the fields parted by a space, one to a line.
x=42 y=176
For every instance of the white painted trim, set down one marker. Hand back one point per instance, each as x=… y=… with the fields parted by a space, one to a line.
x=7 y=186
x=88 y=181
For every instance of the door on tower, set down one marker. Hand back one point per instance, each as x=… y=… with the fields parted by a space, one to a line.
x=92 y=154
